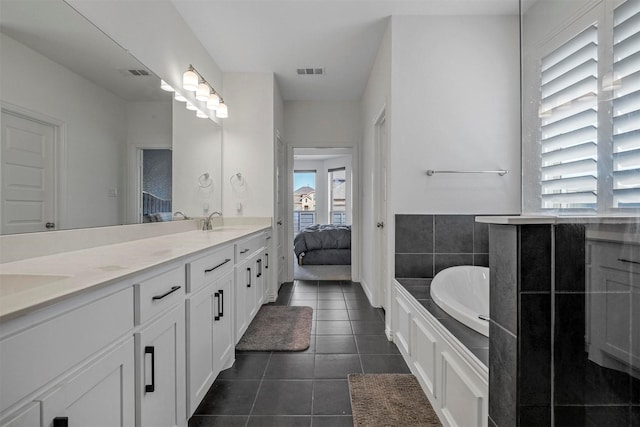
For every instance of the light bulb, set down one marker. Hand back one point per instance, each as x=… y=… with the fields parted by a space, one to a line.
x=213 y=101
x=190 y=80
x=202 y=94
x=165 y=86
x=222 y=112
x=178 y=97
x=191 y=107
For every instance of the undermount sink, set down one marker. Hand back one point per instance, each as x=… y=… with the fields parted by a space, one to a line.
x=13 y=283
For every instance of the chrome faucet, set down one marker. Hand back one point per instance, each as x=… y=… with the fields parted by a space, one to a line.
x=180 y=213
x=206 y=225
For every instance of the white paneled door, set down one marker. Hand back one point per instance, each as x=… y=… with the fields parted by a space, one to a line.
x=28 y=175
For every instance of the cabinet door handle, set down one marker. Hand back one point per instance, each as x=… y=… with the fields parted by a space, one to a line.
x=150 y=388
x=61 y=422
x=169 y=292
x=221 y=301
x=216 y=317
x=266 y=260
x=209 y=270
x=249 y=277
x=259 y=268
x=628 y=260
x=244 y=251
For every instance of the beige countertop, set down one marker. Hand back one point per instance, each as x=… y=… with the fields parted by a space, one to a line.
x=33 y=283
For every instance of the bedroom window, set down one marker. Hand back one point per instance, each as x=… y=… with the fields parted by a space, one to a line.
x=337 y=196
x=304 y=199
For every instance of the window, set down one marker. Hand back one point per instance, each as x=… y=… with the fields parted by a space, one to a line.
x=590 y=159
x=625 y=86
x=304 y=199
x=569 y=118
x=337 y=196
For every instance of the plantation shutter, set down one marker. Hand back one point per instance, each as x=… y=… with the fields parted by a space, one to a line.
x=569 y=123
x=625 y=84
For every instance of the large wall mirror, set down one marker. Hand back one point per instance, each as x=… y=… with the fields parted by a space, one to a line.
x=88 y=136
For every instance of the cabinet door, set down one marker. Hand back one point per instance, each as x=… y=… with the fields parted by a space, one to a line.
x=224 y=345
x=99 y=395
x=201 y=311
x=241 y=285
x=160 y=377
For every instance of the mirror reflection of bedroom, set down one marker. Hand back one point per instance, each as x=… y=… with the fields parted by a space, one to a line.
x=322 y=212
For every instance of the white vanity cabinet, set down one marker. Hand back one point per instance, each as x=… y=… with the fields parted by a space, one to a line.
x=249 y=287
x=210 y=345
x=56 y=370
x=160 y=349
x=613 y=284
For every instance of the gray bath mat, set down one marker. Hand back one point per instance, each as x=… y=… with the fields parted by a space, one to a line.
x=278 y=328
x=380 y=400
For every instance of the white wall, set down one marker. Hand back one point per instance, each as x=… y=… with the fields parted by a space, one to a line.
x=456 y=105
x=197 y=148
x=96 y=132
x=249 y=143
x=322 y=123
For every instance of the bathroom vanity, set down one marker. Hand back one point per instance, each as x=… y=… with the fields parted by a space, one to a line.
x=131 y=333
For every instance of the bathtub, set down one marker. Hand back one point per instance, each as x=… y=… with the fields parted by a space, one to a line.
x=463 y=292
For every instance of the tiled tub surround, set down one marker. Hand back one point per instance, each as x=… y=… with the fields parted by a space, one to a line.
x=477 y=343
x=544 y=298
x=426 y=244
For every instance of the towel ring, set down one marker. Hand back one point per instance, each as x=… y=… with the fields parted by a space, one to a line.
x=237 y=179
x=205 y=181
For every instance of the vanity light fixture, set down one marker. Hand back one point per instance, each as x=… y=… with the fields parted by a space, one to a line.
x=222 y=112
x=201 y=114
x=193 y=81
x=190 y=79
x=178 y=97
x=165 y=86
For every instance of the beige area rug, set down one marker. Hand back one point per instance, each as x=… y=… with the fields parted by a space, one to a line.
x=381 y=400
x=278 y=328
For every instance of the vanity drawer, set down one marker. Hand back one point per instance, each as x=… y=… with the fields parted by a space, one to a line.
x=158 y=293
x=32 y=357
x=246 y=247
x=615 y=255
x=205 y=270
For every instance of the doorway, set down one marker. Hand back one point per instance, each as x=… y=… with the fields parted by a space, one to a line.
x=321 y=202
x=29 y=174
x=155 y=184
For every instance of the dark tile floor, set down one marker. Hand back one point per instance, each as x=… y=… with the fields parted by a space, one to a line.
x=307 y=388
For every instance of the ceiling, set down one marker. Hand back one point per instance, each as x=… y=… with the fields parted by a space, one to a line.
x=341 y=36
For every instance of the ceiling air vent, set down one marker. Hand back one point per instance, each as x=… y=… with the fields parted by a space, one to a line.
x=310 y=71
x=135 y=72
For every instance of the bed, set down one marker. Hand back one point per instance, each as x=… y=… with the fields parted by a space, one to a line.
x=323 y=244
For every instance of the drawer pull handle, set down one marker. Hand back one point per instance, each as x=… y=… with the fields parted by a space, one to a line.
x=249 y=277
x=61 y=422
x=629 y=261
x=244 y=251
x=169 y=292
x=216 y=318
x=259 y=268
x=268 y=237
x=221 y=301
x=150 y=388
x=209 y=270
x=266 y=260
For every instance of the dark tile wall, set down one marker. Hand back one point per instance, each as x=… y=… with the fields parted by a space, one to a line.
x=539 y=370
x=427 y=244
